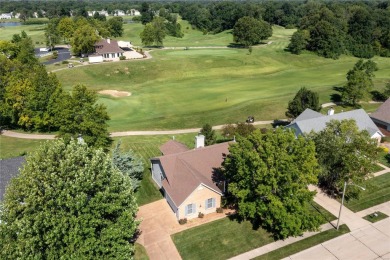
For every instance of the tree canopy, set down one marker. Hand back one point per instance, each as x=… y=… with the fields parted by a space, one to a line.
x=344 y=154
x=68 y=200
x=359 y=82
x=209 y=134
x=304 y=98
x=249 y=31
x=154 y=32
x=268 y=174
x=79 y=114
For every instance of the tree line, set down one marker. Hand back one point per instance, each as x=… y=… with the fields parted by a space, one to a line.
x=32 y=99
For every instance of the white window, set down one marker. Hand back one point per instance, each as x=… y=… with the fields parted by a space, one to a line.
x=210 y=203
x=190 y=209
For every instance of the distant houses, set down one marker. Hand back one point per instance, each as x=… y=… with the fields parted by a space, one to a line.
x=4 y=16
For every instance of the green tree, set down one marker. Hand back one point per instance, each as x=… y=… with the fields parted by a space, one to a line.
x=359 y=82
x=209 y=134
x=154 y=32
x=25 y=49
x=249 y=31
x=242 y=129
x=386 y=92
x=268 y=174
x=78 y=114
x=344 y=154
x=66 y=27
x=299 y=41
x=304 y=98
x=115 y=26
x=68 y=200
x=84 y=39
x=52 y=34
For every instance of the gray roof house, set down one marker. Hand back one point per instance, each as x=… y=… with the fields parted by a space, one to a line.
x=311 y=120
x=9 y=168
x=381 y=117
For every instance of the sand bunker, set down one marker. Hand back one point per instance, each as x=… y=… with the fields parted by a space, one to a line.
x=115 y=93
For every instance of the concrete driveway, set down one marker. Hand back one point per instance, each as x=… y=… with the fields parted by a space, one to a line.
x=370 y=242
x=157 y=222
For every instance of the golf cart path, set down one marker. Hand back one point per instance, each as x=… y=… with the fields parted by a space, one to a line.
x=121 y=134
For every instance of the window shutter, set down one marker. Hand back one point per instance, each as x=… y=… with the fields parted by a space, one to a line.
x=186 y=210
x=205 y=204
x=213 y=202
x=194 y=208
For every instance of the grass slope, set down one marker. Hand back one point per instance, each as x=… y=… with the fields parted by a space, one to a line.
x=187 y=88
x=377 y=192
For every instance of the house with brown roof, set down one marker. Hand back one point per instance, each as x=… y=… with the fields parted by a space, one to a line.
x=189 y=178
x=381 y=117
x=106 y=50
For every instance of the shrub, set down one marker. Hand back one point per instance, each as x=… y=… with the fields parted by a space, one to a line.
x=182 y=221
x=385 y=139
x=385 y=149
x=219 y=210
x=122 y=57
x=65 y=62
x=200 y=215
x=55 y=55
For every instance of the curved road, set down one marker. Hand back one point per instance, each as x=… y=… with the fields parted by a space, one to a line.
x=126 y=133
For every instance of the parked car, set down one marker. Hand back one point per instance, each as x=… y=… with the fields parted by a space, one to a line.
x=250 y=119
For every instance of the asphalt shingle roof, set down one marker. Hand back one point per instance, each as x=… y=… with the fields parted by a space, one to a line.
x=107 y=46
x=9 y=168
x=185 y=171
x=172 y=147
x=383 y=112
x=317 y=124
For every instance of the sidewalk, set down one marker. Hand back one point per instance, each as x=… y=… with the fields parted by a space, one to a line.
x=348 y=217
x=278 y=244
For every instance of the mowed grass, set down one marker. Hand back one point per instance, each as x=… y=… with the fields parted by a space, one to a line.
x=36 y=32
x=12 y=147
x=224 y=238
x=187 y=88
x=377 y=192
x=304 y=244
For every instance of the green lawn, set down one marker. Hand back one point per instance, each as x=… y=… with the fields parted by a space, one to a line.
x=377 y=192
x=13 y=147
x=303 y=244
x=385 y=159
x=375 y=218
x=140 y=252
x=36 y=32
x=187 y=88
x=222 y=239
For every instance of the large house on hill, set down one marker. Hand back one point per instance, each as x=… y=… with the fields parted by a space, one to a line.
x=311 y=120
x=189 y=178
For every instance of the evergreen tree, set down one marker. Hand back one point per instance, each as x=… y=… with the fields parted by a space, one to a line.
x=209 y=134
x=303 y=99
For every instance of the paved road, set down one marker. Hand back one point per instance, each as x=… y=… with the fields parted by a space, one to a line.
x=63 y=54
x=120 y=134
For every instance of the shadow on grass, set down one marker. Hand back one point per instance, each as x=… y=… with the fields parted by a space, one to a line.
x=327 y=218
